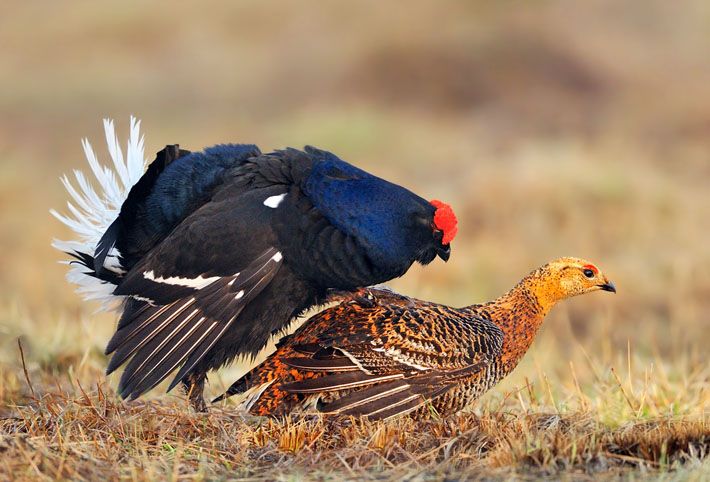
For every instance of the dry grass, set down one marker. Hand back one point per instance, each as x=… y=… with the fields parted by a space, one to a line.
x=63 y=420
x=77 y=432
x=552 y=130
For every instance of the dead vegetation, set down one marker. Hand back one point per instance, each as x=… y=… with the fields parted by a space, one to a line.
x=96 y=437
x=63 y=427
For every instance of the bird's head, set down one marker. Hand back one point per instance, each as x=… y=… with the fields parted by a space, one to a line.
x=395 y=225
x=567 y=277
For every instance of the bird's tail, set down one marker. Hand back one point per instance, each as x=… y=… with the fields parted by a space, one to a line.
x=91 y=212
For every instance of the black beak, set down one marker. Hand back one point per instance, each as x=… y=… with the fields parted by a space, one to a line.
x=608 y=286
x=444 y=251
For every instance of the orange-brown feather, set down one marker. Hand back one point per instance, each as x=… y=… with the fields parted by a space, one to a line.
x=390 y=354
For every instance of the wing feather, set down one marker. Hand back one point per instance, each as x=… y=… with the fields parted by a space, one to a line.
x=148 y=360
x=147 y=326
x=339 y=381
x=364 y=396
x=192 y=337
x=161 y=338
x=319 y=365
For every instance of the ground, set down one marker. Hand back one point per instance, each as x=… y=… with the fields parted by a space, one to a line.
x=88 y=434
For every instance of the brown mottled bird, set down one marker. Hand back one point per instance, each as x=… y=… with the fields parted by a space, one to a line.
x=380 y=354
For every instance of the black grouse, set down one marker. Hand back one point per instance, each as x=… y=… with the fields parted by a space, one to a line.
x=214 y=252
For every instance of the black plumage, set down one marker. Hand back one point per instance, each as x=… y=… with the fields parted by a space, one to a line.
x=220 y=249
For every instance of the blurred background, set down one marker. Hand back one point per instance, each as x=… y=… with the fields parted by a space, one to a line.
x=554 y=128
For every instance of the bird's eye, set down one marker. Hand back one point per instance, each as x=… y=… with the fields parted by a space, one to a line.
x=588 y=273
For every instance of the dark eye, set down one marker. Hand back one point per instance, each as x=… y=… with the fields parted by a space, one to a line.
x=588 y=273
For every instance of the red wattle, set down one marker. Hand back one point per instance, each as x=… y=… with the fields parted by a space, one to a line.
x=445 y=220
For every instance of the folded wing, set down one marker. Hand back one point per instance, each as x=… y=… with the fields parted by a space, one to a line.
x=383 y=359
x=159 y=338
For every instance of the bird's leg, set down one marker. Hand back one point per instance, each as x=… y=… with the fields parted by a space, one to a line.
x=361 y=296
x=365 y=298
x=194 y=385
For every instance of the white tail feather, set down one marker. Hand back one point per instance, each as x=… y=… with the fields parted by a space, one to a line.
x=92 y=212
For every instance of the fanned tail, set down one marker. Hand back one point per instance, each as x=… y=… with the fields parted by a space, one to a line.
x=92 y=212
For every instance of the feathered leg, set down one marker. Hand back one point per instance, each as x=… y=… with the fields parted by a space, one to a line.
x=194 y=386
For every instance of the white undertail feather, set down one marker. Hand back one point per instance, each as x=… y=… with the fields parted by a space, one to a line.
x=92 y=211
x=247 y=399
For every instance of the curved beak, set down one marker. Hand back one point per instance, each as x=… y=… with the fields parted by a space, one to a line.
x=608 y=286
x=444 y=251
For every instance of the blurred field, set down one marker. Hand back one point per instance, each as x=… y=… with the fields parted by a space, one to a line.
x=553 y=128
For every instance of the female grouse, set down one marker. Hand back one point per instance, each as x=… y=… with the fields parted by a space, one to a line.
x=382 y=354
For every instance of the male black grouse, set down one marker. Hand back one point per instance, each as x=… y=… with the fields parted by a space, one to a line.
x=213 y=252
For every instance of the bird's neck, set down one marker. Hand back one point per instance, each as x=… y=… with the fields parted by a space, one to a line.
x=520 y=312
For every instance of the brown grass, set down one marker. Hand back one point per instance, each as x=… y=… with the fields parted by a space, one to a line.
x=68 y=425
x=553 y=130
x=94 y=436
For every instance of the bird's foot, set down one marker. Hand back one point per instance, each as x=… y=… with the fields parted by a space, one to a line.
x=194 y=386
x=364 y=298
x=361 y=296
x=198 y=404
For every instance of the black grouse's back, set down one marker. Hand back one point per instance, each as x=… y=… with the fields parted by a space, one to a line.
x=175 y=184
